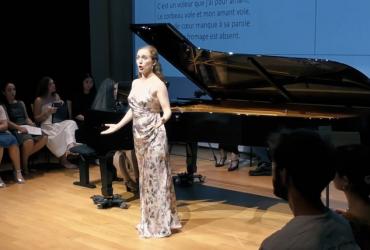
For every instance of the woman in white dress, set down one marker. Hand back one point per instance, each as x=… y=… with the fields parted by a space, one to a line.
x=61 y=135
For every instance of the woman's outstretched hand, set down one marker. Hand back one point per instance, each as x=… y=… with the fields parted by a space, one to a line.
x=111 y=129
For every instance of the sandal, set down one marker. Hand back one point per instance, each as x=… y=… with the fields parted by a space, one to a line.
x=220 y=162
x=234 y=164
x=18 y=177
x=2 y=183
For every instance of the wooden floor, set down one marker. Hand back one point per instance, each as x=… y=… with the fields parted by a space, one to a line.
x=231 y=210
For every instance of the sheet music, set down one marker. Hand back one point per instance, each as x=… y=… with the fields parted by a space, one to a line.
x=32 y=130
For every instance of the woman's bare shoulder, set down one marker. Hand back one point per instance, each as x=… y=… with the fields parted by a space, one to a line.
x=158 y=82
x=134 y=82
x=38 y=99
x=57 y=97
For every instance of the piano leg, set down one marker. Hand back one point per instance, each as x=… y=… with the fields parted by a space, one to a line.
x=106 y=177
x=108 y=199
x=83 y=166
x=188 y=178
x=191 y=157
x=85 y=156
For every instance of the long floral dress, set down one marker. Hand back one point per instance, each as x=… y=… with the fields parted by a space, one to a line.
x=157 y=194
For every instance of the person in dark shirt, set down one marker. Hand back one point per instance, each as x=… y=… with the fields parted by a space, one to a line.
x=18 y=116
x=82 y=101
x=302 y=167
x=353 y=178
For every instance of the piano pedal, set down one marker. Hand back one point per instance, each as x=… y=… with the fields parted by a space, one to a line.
x=185 y=179
x=102 y=202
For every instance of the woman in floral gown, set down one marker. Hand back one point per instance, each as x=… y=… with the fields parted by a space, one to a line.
x=147 y=98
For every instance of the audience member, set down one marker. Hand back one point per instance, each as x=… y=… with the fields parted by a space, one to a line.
x=106 y=96
x=83 y=99
x=234 y=161
x=264 y=166
x=123 y=160
x=61 y=135
x=18 y=116
x=353 y=178
x=302 y=168
x=7 y=140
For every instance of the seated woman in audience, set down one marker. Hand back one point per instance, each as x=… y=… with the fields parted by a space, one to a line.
x=106 y=96
x=83 y=99
x=353 y=178
x=18 y=116
x=61 y=135
x=7 y=140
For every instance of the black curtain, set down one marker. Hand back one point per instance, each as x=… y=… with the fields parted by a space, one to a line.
x=44 y=38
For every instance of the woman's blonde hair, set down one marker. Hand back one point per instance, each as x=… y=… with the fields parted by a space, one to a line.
x=157 y=68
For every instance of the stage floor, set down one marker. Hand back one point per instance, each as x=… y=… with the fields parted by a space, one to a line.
x=231 y=210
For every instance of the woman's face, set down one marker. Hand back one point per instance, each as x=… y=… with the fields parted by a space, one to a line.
x=87 y=84
x=51 y=86
x=144 y=62
x=10 y=92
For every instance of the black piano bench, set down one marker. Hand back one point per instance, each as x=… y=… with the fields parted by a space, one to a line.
x=85 y=156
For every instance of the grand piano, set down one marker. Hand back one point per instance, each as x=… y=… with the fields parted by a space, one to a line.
x=250 y=96
x=254 y=95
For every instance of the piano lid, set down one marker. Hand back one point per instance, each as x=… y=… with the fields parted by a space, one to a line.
x=258 y=77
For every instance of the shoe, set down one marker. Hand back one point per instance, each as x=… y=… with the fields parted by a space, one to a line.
x=2 y=183
x=71 y=156
x=116 y=178
x=132 y=187
x=70 y=166
x=263 y=169
x=220 y=162
x=234 y=164
x=18 y=177
x=67 y=164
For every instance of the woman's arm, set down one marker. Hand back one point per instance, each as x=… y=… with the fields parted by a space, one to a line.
x=3 y=125
x=28 y=119
x=114 y=127
x=40 y=115
x=3 y=119
x=163 y=99
x=12 y=125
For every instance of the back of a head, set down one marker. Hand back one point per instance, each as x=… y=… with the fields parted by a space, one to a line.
x=353 y=161
x=42 y=86
x=307 y=159
x=104 y=99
